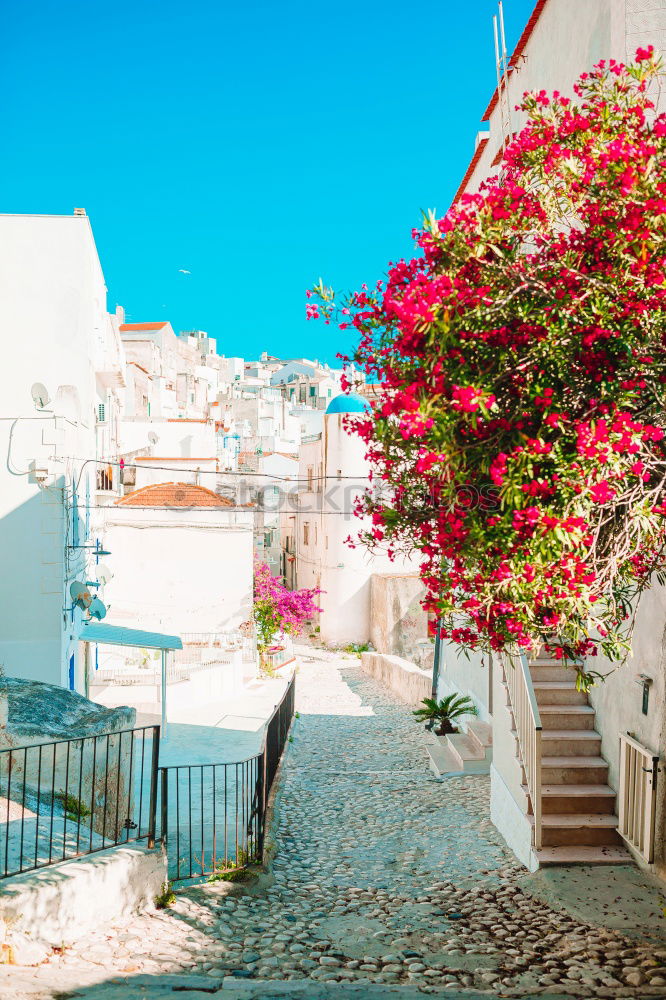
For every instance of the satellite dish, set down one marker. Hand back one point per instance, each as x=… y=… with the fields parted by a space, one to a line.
x=97 y=609
x=104 y=574
x=80 y=595
x=153 y=438
x=40 y=395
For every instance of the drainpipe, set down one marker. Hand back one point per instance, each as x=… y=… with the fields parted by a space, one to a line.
x=438 y=653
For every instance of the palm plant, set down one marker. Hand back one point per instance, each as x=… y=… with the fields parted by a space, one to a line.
x=445 y=712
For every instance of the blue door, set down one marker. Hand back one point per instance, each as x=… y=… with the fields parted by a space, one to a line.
x=71 y=672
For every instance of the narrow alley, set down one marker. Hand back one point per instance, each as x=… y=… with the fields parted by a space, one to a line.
x=380 y=876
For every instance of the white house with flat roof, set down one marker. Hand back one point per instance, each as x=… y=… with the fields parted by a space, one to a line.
x=62 y=371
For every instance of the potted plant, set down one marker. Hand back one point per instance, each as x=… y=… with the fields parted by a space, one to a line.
x=445 y=712
x=278 y=612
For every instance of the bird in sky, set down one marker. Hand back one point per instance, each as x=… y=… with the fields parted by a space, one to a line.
x=183 y=270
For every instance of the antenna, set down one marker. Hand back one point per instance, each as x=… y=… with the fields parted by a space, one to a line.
x=97 y=609
x=502 y=69
x=104 y=574
x=40 y=395
x=81 y=596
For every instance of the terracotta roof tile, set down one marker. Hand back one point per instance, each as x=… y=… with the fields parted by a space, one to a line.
x=173 y=495
x=483 y=139
x=136 y=327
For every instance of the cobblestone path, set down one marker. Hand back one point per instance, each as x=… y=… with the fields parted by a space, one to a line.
x=380 y=875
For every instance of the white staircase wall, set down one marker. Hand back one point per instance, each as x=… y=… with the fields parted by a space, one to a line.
x=470 y=675
x=508 y=803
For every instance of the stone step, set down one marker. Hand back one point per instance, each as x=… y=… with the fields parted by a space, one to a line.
x=574 y=770
x=599 y=855
x=442 y=760
x=558 y=693
x=581 y=799
x=481 y=732
x=578 y=830
x=550 y=672
x=570 y=742
x=552 y=661
x=567 y=716
x=470 y=756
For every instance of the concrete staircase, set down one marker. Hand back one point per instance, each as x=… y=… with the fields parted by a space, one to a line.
x=469 y=752
x=579 y=824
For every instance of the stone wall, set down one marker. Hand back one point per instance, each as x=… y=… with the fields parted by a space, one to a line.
x=405 y=679
x=398 y=623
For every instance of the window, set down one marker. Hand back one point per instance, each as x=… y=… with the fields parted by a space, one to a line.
x=306 y=534
x=310 y=475
x=105 y=477
x=313 y=390
x=315 y=541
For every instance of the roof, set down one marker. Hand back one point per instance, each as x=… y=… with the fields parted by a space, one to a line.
x=517 y=52
x=136 y=327
x=173 y=495
x=348 y=403
x=481 y=145
x=282 y=454
x=116 y=635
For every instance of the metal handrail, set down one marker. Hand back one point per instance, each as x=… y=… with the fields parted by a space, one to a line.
x=215 y=814
x=68 y=798
x=528 y=730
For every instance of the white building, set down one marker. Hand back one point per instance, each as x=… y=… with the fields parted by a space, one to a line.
x=582 y=760
x=182 y=560
x=561 y=40
x=317 y=519
x=62 y=374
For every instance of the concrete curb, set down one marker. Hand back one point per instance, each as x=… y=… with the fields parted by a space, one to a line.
x=61 y=903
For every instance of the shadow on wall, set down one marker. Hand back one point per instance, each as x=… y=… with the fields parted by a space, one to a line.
x=32 y=543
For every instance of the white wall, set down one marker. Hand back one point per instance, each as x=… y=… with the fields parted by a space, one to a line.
x=179 y=570
x=618 y=701
x=569 y=38
x=325 y=560
x=470 y=673
x=53 y=317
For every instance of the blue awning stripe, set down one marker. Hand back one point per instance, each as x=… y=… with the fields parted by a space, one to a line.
x=116 y=635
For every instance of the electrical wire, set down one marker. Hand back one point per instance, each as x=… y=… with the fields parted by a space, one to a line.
x=208 y=472
x=240 y=509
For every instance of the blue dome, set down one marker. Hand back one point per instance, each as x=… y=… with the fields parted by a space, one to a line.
x=348 y=403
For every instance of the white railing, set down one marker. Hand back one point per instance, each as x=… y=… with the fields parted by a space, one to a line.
x=528 y=729
x=637 y=798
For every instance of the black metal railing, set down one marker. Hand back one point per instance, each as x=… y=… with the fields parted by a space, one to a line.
x=214 y=815
x=73 y=797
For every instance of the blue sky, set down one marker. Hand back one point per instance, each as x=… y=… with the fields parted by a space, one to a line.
x=258 y=145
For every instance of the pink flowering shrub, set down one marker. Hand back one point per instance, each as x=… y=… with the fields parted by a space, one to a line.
x=277 y=609
x=522 y=352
